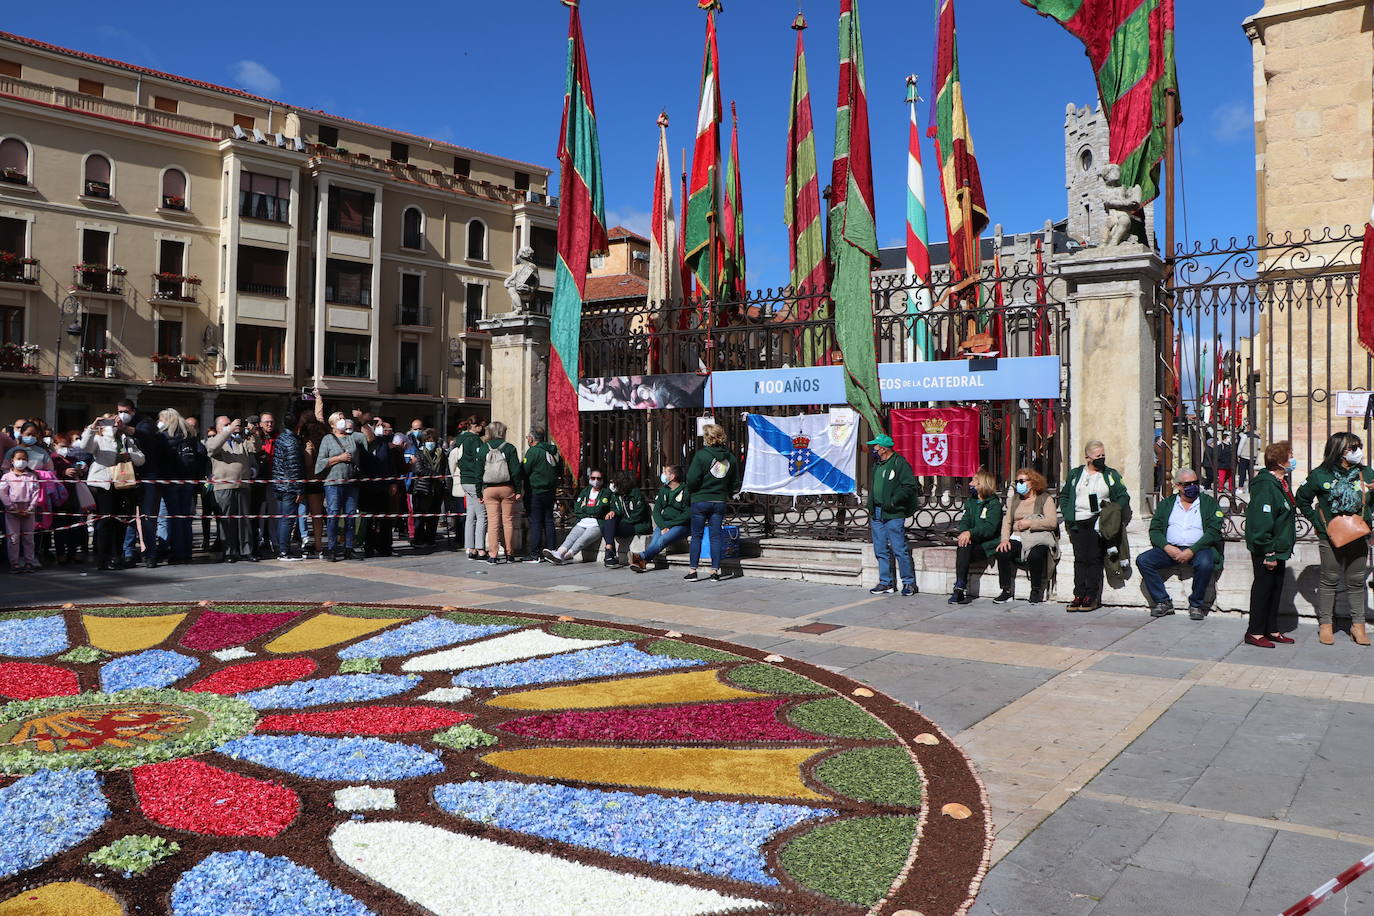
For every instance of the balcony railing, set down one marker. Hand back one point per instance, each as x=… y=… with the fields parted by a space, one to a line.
x=341 y=369
x=19 y=358
x=474 y=390
x=262 y=289
x=434 y=178
x=97 y=278
x=337 y=296
x=14 y=269
x=409 y=383
x=350 y=226
x=108 y=108
x=473 y=316
x=97 y=189
x=264 y=207
x=14 y=176
x=413 y=316
x=175 y=287
x=173 y=368
x=97 y=363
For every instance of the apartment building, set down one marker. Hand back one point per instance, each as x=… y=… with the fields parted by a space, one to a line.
x=196 y=246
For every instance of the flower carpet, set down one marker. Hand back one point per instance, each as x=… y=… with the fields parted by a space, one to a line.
x=365 y=760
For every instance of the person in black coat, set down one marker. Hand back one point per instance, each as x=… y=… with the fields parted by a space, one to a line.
x=183 y=458
x=143 y=430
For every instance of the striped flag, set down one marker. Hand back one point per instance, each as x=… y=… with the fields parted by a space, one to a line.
x=1042 y=344
x=702 y=230
x=853 y=229
x=1131 y=46
x=802 y=211
x=734 y=277
x=665 y=278
x=917 y=250
x=581 y=233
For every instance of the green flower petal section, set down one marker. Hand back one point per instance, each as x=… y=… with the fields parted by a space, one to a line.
x=674 y=649
x=30 y=615
x=462 y=737
x=839 y=717
x=136 y=610
x=881 y=775
x=583 y=631
x=359 y=610
x=479 y=620
x=135 y=854
x=854 y=860
x=83 y=655
x=759 y=676
x=360 y=666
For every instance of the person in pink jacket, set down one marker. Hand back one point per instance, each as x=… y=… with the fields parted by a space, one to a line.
x=21 y=492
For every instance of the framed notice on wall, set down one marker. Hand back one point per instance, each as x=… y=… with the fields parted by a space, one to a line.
x=1351 y=403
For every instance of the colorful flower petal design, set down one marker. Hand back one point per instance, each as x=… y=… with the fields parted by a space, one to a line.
x=324 y=630
x=195 y=796
x=686 y=687
x=452 y=874
x=48 y=813
x=244 y=882
x=337 y=759
x=512 y=646
x=255 y=675
x=572 y=666
x=29 y=681
x=62 y=898
x=129 y=634
x=714 y=837
x=153 y=668
x=748 y=720
x=33 y=637
x=367 y=720
x=420 y=636
x=341 y=688
x=219 y=630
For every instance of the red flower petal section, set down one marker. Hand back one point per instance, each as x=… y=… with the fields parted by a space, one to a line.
x=749 y=720
x=28 y=681
x=368 y=720
x=218 y=630
x=190 y=795
x=255 y=675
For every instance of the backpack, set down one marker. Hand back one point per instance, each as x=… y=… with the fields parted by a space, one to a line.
x=495 y=470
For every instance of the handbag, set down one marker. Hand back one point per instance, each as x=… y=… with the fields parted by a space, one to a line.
x=1343 y=529
x=122 y=476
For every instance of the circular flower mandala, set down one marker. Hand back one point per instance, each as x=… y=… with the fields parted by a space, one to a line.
x=296 y=760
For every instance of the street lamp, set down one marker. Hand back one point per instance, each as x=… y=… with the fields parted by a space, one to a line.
x=455 y=361
x=70 y=307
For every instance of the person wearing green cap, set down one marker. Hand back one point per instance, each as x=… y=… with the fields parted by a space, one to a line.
x=891 y=500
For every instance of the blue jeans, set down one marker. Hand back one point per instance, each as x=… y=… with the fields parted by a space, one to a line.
x=660 y=541
x=704 y=515
x=889 y=539
x=1153 y=562
x=539 y=511
x=340 y=506
x=180 y=499
x=286 y=511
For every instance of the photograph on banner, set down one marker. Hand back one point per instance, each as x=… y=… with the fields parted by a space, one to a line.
x=937 y=441
x=807 y=455
x=642 y=392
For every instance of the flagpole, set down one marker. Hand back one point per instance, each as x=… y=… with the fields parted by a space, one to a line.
x=1172 y=392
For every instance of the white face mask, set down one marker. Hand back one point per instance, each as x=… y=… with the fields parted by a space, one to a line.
x=341 y=426
x=125 y=416
x=20 y=465
x=615 y=489
x=161 y=425
x=665 y=479
x=379 y=430
x=63 y=450
x=47 y=440
x=1355 y=456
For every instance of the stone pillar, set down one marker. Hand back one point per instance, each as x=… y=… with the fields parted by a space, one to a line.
x=1111 y=361
x=518 y=380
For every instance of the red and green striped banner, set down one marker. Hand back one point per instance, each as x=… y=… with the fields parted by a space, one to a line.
x=802 y=203
x=734 y=278
x=1131 y=46
x=702 y=231
x=581 y=233
x=966 y=212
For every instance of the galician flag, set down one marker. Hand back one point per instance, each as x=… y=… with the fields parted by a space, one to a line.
x=665 y=276
x=802 y=456
x=734 y=277
x=853 y=231
x=581 y=233
x=1131 y=46
x=703 y=231
x=917 y=250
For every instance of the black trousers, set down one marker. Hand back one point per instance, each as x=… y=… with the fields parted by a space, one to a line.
x=963 y=559
x=109 y=532
x=1266 y=590
x=426 y=507
x=373 y=498
x=539 y=510
x=1089 y=552
x=1037 y=558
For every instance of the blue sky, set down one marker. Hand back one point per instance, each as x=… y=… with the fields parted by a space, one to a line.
x=490 y=76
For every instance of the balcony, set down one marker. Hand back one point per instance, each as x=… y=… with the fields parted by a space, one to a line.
x=19 y=358
x=173 y=368
x=474 y=390
x=267 y=368
x=347 y=369
x=338 y=223
x=97 y=189
x=262 y=289
x=413 y=316
x=169 y=287
x=14 y=269
x=98 y=278
x=409 y=383
x=337 y=296
x=172 y=202
x=14 y=176
x=112 y=110
x=94 y=362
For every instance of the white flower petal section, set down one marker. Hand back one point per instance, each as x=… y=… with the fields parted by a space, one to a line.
x=365 y=798
x=456 y=875
x=229 y=655
x=446 y=695
x=509 y=648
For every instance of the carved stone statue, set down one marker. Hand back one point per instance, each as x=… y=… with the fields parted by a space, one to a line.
x=1125 y=222
x=523 y=284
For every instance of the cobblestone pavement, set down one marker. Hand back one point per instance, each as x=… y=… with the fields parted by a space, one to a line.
x=1135 y=766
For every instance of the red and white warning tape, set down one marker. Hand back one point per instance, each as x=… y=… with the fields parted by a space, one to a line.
x=1323 y=893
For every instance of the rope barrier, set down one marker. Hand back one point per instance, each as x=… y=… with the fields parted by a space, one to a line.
x=1323 y=893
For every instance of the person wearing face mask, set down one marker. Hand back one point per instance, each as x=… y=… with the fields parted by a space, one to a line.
x=462 y=462
x=1336 y=498
x=1030 y=536
x=184 y=459
x=233 y=458
x=286 y=495
x=713 y=477
x=109 y=447
x=29 y=442
x=427 y=489
x=672 y=518
x=892 y=494
x=1186 y=530
x=337 y=461
x=1270 y=533
x=628 y=517
x=68 y=466
x=592 y=505
x=21 y=493
x=978 y=529
x=541 y=467
x=386 y=456
x=143 y=430
x=1087 y=488
x=500 y=488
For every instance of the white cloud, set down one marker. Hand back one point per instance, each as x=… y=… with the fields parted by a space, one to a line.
x=632 y=219
x=1232 y=121
x=254 y=77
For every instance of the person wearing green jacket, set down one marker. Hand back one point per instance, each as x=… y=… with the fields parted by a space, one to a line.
x=672 y=517
x=541 y=468
x=979 y=529
x=1086 y=490
x=712 y=478
x=1270 y=533
x=1340 y=485
x=629 y=515
x=462 y=464
x=500 y=488
x=1185 y=530
x=592 y=505
x=892 y=496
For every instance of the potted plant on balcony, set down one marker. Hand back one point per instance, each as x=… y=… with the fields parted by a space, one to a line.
x=187 y=361
x=118 y=271
x=173 y=202
x=192 y=280
x=111 y=360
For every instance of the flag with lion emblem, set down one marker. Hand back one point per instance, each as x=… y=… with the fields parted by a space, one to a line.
x=938 y=442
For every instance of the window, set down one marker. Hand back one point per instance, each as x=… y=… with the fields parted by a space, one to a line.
x=347 y=355
x=11 y=324
x=329 y=135
x=412 y=228
x=95 y=331
x=98 y=175
x=462 y=166
x=545 y=245
x=472 y=373
x=347 y=283
x=95 y=261
x=13 y=233
x=258 y=349
x=477 y=240
x=247 y=122
x=174 y=189
x=475 y=294
x=350 y=211
x=162 y=103
x=522 y=181
x=169 y=334
x=14 y=161
x=90 y=87
x=265 y=197
x=598 y=261
x=11 y=68
x=409 y=310
x=409 y=380
x=262 y=271
x=400 y=151
x=171 y=269
x=1085 y=160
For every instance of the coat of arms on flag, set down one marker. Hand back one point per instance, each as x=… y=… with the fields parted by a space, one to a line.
x=801 y=456
x=938 y=441
x=934 y=442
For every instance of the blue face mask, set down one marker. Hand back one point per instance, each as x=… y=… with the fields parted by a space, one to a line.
x=1191 y=491
x=1292 y=464
x=972 y=492
x=1022 y=489
x=28 y=440
x=429 y=446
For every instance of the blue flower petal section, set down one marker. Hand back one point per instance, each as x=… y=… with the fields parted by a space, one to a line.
x=604 y=661
x=341 y=688
x=343 y=759
x=430 y=633
x=33 y=638
x=154 y=668
x=46 y=814
x=715 y=837
x=250 y=882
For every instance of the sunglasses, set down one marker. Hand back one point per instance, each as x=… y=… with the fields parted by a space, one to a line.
x=597 y=478
x=1022 y=480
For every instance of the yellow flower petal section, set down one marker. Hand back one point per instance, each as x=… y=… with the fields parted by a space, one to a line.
x=726 y=771
x=129 y=634
x=328 y=630
x=65 y=898
x=692 y=687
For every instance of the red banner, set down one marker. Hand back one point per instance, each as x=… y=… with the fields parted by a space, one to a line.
x=938 y=442
x=1365 y=309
